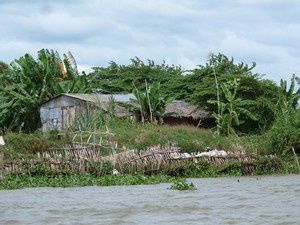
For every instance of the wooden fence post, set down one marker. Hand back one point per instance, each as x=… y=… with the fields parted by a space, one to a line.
x=1 y=165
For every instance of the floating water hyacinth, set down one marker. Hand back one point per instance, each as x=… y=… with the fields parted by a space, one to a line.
x=182 y=186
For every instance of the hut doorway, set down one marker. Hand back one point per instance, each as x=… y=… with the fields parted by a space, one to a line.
x=68 y=116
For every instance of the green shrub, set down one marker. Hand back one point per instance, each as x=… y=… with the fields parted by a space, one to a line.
x=107 y=168
x=26 y=143
x=89 y=119
x=14 y=181
x=25 y=146
x=285 y=132
x=267 y=165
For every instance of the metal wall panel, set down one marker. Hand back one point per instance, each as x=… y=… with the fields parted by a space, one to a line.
x=59 y=113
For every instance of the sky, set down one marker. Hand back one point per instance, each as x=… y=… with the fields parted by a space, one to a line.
x=181 y=32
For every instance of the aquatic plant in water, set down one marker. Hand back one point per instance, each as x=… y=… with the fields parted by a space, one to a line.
x=182 y=186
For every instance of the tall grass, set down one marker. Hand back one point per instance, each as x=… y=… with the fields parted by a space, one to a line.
x=95 y=118
x=285 y=132
x=89 y=119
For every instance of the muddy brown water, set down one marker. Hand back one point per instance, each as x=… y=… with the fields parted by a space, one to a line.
x=252 y=200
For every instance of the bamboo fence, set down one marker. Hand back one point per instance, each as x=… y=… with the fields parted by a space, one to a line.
x=151 y=160
x=91 y=156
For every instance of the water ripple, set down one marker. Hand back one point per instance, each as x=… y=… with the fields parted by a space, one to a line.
x=263 y=200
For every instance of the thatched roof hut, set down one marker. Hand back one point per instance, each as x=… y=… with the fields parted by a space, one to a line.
x=184 y=109
x=181 y=112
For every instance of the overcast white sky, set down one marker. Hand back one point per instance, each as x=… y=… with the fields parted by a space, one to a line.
x=180 y=31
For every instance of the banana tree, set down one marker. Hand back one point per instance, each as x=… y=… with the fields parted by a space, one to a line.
x=289 y=97
x=29 y=82
x=232 y=108
x=151 y=104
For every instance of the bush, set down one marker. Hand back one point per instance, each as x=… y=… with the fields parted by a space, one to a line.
x=31 y=143
x=285 y=132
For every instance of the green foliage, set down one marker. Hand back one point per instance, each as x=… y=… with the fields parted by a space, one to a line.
x=89 y=119
x=30 y=82
x=27 y=82
x=189 y=139
x=206 y=169
x=183 y=186
x=78 y=84
x=40 y=169
x=25 y=146
x=92 y=118
x=31 y=143
x=232 y=108
x=150 y=104
x=289 y=96
x=138 y=136
x=119 y=78
x=41 y=177
x=112 y=107
x=204 y=86
x=285 y=131
x=15 y=181
x=107 y=168
x=197 y=86
x=3 y=68
x=264 y=165
x=201 y=88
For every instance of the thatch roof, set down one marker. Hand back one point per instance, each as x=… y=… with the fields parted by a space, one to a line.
x=184 y=109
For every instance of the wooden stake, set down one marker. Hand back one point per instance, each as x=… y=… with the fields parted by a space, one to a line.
x=296 y=158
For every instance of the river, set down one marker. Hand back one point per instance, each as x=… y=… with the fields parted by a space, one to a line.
x=243 y=200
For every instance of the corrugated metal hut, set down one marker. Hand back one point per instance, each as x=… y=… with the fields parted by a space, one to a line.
x=59 y=112
x=181 y=112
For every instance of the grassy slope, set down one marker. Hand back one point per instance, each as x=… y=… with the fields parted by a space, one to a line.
x=190 y=139
x=138 y=136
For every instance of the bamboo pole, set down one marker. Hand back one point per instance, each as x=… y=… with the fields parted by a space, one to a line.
x=1 y=165
x=218 y=94
x=296 y=158
x=149 y=103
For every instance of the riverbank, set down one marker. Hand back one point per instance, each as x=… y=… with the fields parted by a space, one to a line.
x=72 y=179
x=141 y=136
x=33 y=162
